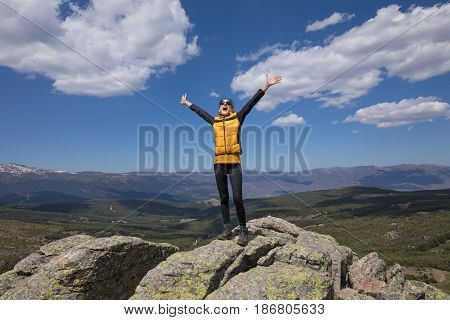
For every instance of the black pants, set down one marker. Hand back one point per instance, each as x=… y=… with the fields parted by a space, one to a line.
x=234 y=170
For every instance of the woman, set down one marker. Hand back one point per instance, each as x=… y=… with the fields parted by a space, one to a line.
x=227 y=127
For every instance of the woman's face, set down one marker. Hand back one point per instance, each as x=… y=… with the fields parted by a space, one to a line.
x=225 y=107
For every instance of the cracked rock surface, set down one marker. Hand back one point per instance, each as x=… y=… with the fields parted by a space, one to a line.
x=281 y=261
x=83 y=267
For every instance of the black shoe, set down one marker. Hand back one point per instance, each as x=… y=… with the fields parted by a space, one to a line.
x=226 y=233
x=243 y=236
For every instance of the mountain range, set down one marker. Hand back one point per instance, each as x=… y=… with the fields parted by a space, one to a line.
x=25 y=184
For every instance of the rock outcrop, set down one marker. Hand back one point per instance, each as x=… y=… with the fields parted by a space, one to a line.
x=371 y=276
x=281 y=261
x=83 y=267
x=368 y=274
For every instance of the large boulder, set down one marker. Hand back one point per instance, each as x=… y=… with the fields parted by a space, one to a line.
x=368 y=273
x=195 y=274
x=83 y=267
x=370 y=276
x=276 y=261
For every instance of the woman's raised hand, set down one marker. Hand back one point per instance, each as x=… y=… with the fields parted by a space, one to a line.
x=183 y=99
x=273 y=79
x=270 y=81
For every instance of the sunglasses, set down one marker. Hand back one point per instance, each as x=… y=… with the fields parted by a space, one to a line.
x=225 y=102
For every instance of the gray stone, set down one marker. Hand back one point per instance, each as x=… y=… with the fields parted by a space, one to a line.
x=34 y=261
x=189 y=275
x=8 y=280
x=341 y=256
x=414 y=290
x=273 y=227
x=279 y=281
x=256 y=249
x=303 y=256
x=352 y=294
x=86 y=268
x=368 y=273
x=395 y=278
x=281 y=261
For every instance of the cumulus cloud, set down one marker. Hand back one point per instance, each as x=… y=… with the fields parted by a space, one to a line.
x=214 y=94
x=330 y=74
x=335 y=18
x=268 y=49
x=405 y=112
x=131 y=40
x=289 y=120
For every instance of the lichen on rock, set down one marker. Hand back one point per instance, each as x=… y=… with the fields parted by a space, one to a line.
x=84 y=267
x=281 y=261
x=279 y=281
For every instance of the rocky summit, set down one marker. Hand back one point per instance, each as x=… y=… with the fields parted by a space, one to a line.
x=281 y=261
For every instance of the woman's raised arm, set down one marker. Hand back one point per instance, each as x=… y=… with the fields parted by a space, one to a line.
x=270 y=81
x=202 y=113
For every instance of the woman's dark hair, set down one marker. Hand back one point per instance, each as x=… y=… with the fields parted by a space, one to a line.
x=231 y=101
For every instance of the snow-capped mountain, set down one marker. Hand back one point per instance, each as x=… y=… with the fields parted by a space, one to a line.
x=17 y=169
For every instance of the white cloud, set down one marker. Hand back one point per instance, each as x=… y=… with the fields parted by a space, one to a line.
x=130 y=39
x=213 y=93
x=356 y=131
x=335 y=18
x=418 y=54
x=253 y=56
x=30 y=76
x=289 y=120
x=405 y=112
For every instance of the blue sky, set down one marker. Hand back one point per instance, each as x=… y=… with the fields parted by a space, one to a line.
x=60 y=112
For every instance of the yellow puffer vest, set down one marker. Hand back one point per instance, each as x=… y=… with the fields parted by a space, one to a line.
x=226 y=131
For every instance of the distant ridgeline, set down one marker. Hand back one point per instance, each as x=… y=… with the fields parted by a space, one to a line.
x=23 y=184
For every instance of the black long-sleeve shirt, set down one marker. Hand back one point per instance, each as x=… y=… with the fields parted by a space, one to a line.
x=241 y=114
